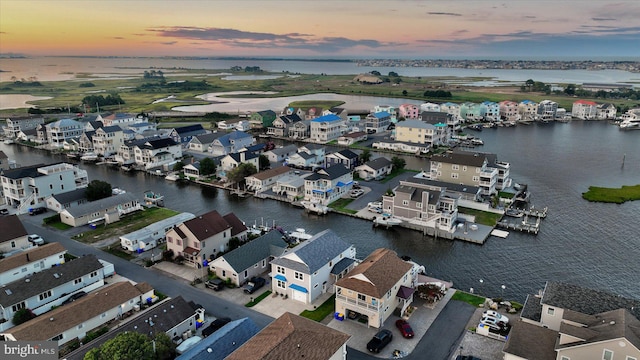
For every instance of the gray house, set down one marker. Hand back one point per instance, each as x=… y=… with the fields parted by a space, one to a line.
x=59 y=202
x=105 y=210
x=375 y=169
x=225 y=341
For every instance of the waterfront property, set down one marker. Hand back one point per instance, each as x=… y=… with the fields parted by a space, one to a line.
x=308 y=156
x=326 y=128
x=375 y=169
x=149 y=154
x=281 y=125
x=230 y=143
x=21 y=123
x=380 y=285
x=103 y=211
x=280 y=154
x=327 y=185
x=182 y=135
x=60 y=131
x=107 y=140
x=201 y=143
x=65 y=200
x=352 y=138
x=346 y=157
x=469 y=168
x=232 y=161
x=377 y=122
x=265 y=180
x=150 y=236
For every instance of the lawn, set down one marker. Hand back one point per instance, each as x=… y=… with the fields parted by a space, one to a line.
x=340 y=205
x=482 y=217
x=474 y=300
x=129 y=223
x=258 y=299
x=612 y=195
x=319 y=314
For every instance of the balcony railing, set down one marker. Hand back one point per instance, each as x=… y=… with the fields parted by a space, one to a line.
x=359 y=303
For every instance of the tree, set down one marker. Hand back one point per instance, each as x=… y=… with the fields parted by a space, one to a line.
x=365 y=156
x=393 y=74
x=178 y=166
x=264 y=162
x=22 y=315
x=398 y=163
x=529 y=84
x=207 y=167
x=375 y=72
x=165 y=348
x=98 y=189
x=126 y=345
x=243 y=170
x=570 y=89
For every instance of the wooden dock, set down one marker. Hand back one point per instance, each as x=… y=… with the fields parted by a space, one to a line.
x=520 y=226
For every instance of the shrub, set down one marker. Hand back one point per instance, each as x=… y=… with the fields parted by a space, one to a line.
x=22 y=315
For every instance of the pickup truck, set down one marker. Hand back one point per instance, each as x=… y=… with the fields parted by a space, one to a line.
x=254 y=284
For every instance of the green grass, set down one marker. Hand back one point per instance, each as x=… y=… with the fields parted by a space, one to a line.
x=474 y=300
x=319 y=314
x=612 y=195
x=340 y=205
x=396 y=172
x=258 y=299
x=117 y=251
x=482 y=217
x=60 y=225
x=127 y=224
x=506 y=195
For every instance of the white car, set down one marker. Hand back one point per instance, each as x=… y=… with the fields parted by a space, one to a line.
x=35 y=239
x=494 y=314
x=356 y=193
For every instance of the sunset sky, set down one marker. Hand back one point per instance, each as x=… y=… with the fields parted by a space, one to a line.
x=322 y=28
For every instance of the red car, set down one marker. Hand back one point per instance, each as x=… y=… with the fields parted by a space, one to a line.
x=405 y=328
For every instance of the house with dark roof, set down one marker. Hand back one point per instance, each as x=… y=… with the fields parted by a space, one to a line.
x=85 y=142
x=327 y=185
x=199 y=240
x=352 y=138
x=262 y=119
x=50 y=287
x=376 y=168
x=31 y=261
x=65 y=200
x=567 y=321
x=465 y=167
x=225 y=340
x=76 y=319
x=202 y=142
x=308 y=156
x=280 y=126
x=173 y=316
x=231 y=143
x=107 y=140
x=182 y=135
x=149 y=154
x=292 y=334
x=375 y=288
x=300 y=130
x=16 y=124
x=264 y=180
x=232 y=161
x=103 y=211
x=13 y=235
x=250 y=259
x=280 y=154
x=304 y=272
x=345 y=157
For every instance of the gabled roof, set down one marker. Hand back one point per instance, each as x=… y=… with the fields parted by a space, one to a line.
x=65 y=317
x=314 y=253
x=382 y=114
x=225 y=341
x=378 y=163
x=111 y=129
x=185 y=130
x=264 y=113
x=207 y=138
x=605 y=326
x=292 y=336
x=460 y=158
x=377 y=274
x=62 y=123
x=330 y=173
x=263 y=175
x=290 y=119
x=459 y=188
x=37 y=283
x=417 y=124
x=237 y=157
x=157 y=143
x=207 y=225
x=99 y=205
x=31 y=255
x=345 y=153
x=11 y=228
x=528 y=341
x=226 y=139
x=237 y=226
x=284 y=150
x=89 y=134
x=255 y=251
x=70 y=196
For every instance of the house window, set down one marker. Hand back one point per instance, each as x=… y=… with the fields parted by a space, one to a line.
x=18 y=306
x=405 y=202
x=419 y=205
x=464 y=168
x=551 y=311
x=103 y=315
x=264 y=263
x=13 y=244
x=476 y=179
x=298 y=275
x=178 y=242
x=607 y=355
x=56 y=338
x=280 y=269
x=246 y=273
x=362 y=297
x=94 y=274
x=455 y=167
x=454 y=175
x=224 y=273
x=281 y=284
x=44 y=295
x=169 y=239
x=202 y=243
x=77 y=281
x=80 y=326
x=339 y=291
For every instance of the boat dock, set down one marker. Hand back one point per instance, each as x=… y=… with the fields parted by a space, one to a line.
x=521 y=226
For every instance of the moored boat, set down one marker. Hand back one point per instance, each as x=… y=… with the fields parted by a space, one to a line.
x=299 y=235
x=152 y=198
x=315 y=207
x=386 y=220
x=630 y=124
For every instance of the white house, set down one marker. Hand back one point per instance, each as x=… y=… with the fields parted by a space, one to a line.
x=231 y=143
x=326 y=128
x=280 y=154
x=30 y=261
x=327 y=185
x=60 y=131
x=150 y=236
x=375 y=169
x=13 y=235
x=107 y=140
x=156 y=153
x=232 y=161
x=103 y=211
x=265 y=180
x=21 y=123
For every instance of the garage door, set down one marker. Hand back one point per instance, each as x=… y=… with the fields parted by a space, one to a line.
x=299 y=296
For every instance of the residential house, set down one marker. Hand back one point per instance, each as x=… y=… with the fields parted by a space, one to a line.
x=463 y=167
x=140 y=128
x=29 y=186
x=107 y=140
x=293 y=111
x=377 y=122
x=30 y=135
x=492 y=110
x=291 y=186
x=225 y=341
x=61 y=130
x=50 y=287
x=300 y=130
x=402 y=146
x=182 y=135
x=41 y=134
x=328 y=185
x=232 y=161
x=202 y=238
x=30 y=261
x=21 y=123
x=431 y=107
x=121 y=119
x=292 y=333
x=13 y=235
x=352 y=138
x=262 y=119
x=65 y=200
x=174 y=317
x=5 y=163
x=453 y=109
x=606 y=111
x=153 y=234
x=584 y=110
x=149 y=154
x=91 y=125
x=192 y=170
x=103 y=211
x=231 y=143
x=250 y=259
x=280 y=154
x=281 y=125
x=75 y=320
x=375 y=169
x=326 y=128
x=472 y=112
x=464 y=193
x=304 y=272
x=345 y=157
x=509 y=111
x=547 y=110
x=420 y=132
x=566 y=321
x=226 y=125
x=438 y=119
x=503 y=180
x=201 y=143
x=528 y=110
x=409 y=111
x=309 y=156
x=85 y=142
x=376 y=288
x=264 y=180
x=391 y=110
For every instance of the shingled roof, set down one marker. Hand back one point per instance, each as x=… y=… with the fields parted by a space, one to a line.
x=529 y=341
x=30 y=255
x=11 y=228
x=460 y=158
x=314 y=253
x=207 y=225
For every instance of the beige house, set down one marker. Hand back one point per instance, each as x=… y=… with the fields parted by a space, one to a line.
x=292 y=334
x=464 y=167
x=103 y=211
x=376 y=287
x=201 y=239
x=107 y=140
x=13 y=235
x=264 y=180
x=417 y=132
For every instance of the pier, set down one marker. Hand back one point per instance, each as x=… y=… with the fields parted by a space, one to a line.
x=522 y=226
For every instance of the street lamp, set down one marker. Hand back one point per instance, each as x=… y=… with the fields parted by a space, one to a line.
x=503 y=287
x=480 y=287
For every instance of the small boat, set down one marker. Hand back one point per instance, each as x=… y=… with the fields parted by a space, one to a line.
x=299 y=235
x=514 y=212
x=152 y=198
x=477 y=142
x=8 y=141
x=89 y=157
x=172 y=176
x=386 y=220
x=315 y=206
x=117 y=191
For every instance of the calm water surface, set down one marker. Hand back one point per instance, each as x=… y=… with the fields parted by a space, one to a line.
x=589 y=244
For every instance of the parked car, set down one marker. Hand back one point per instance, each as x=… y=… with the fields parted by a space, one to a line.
x=499 y=317
x=379 y=340
x=35 y=239
x=356 y=193
x=38 y=210
x=215 y=326
x=405 y=328
x=254 y=284
x=494 y=324
x=467 y=357
x=216 y=284
x=74 y=297
x=4 y=212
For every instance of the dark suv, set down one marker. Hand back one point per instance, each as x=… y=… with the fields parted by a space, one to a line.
x=254 y=284
x=38 y=210
x=216 y=284
x=379 y=341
